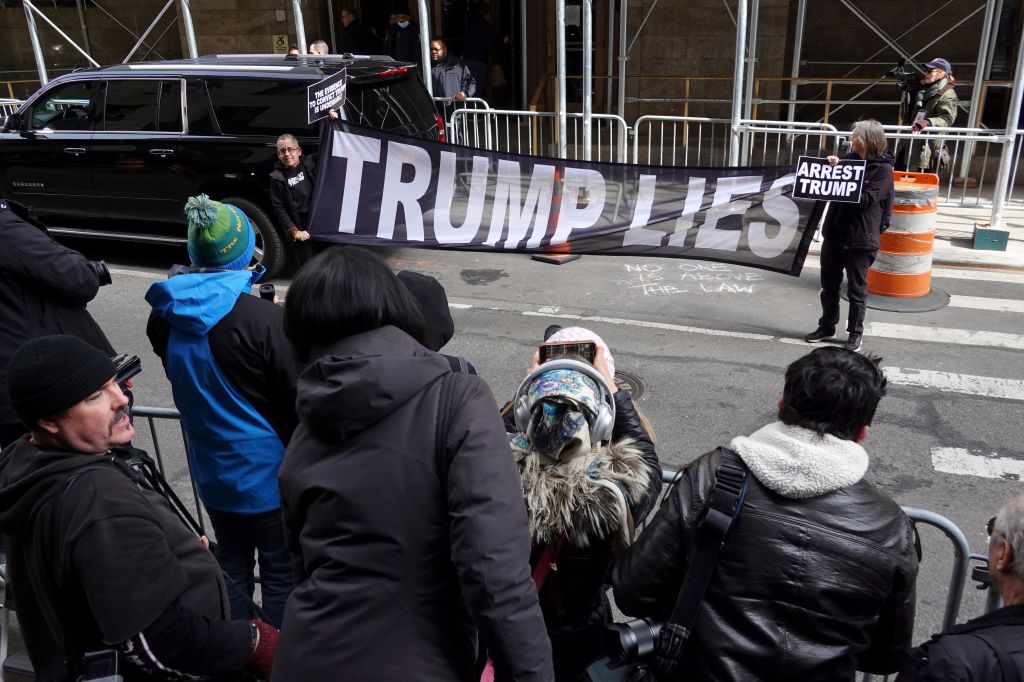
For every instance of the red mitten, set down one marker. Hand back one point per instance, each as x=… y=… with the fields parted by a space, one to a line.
x=920 y=125
x=262 y=658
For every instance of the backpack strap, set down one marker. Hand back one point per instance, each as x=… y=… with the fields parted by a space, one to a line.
x=444 y=416
x=720 y=512
x=458 y=364
x=1009 y=670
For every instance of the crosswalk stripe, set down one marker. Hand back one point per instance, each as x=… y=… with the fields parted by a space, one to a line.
x=1002 y=305
x=963 y=337
x=967 y=463
x=979 y=274
x=949 y=382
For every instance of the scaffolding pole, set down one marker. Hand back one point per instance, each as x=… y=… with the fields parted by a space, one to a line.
x=748 y=95
x=1005 y=178
x=81 y=23
x=330 y=22
x=37 y=51
x=35 y=42
x=425 y=30
x=623 y=55
x=560 y=68
x=979 y=77
x=145 y=33
x=524 y=92
x=798 y=46
x=737 y=83
x=588 y=74
x=610 y=43
x=190 y=32
x=300 y=26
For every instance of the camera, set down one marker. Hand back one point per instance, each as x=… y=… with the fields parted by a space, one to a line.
x=267 y=292
x=634 y=640
x=907 y=79
x=584 y=350
x=125 y=368
x=102 y=272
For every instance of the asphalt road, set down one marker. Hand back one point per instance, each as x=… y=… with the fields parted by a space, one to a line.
x=709 y=344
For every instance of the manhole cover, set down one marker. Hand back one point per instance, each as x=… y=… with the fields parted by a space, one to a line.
x=631 y=383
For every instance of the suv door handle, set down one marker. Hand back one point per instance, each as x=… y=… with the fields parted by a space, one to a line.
x=161 y=152
x=74 y=151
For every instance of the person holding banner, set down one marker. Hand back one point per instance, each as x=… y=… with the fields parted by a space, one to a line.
x=852 y=232
x=291 y=189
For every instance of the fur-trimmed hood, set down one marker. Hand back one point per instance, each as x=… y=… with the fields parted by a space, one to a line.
x=798 y=463
x=585 y=499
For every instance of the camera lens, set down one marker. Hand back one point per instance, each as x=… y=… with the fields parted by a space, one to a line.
x=632 y=641
x=101 y=272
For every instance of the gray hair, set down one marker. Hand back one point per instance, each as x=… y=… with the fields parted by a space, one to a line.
x=320 y=46
x=872 y=135
x=289 y=138
x=1010 y=526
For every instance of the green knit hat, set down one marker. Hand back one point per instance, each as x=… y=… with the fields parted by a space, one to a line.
x=219 y=235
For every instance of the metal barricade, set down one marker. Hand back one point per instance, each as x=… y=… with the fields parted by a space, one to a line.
x=781 y=143
x=535 y=133
x=446 y=106
x=150 y=415
x=681 y=141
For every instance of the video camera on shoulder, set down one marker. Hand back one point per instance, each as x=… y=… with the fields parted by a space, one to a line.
x=907 y=78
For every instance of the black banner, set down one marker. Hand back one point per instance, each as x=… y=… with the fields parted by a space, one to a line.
x=379 y=189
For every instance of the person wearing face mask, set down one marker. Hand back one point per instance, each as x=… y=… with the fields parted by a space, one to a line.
x=933 y=104
x=586 y=487
x=291 y=188
x=403 y=37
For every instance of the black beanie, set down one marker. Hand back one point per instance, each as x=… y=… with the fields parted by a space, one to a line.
x=49 y=374
x=429 y=293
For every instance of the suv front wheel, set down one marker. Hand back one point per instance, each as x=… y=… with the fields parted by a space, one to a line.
x=270 y=248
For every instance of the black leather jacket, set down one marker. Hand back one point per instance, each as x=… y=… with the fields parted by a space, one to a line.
x=805 y=589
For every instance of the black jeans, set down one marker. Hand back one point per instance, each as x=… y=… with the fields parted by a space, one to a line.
x=835 y=259
x=239 y=538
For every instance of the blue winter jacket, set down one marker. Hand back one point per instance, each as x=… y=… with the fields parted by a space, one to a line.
x=234 y=452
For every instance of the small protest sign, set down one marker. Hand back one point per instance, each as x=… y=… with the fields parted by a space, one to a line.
x=816 y=178
x=326 y=94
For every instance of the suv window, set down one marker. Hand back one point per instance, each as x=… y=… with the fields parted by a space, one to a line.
x=390 y=105
x=66 y=107
x=143 y=106
x=252 y=106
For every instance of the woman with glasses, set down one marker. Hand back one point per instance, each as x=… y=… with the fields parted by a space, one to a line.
x=291 y=191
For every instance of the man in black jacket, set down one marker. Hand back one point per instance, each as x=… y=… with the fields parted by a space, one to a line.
x=44 y=288
x=98 y=559
x=990 y=647
x=291 y=190
x=816 y=578
x=852 y=235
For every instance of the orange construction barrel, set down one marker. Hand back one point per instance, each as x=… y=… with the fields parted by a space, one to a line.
x=903 y=266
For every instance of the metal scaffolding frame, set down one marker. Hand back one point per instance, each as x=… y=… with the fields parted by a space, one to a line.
x=31 y=12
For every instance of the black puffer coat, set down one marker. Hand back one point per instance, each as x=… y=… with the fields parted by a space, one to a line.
x=860 y=225
x=960 y=655
x=807 y=589
x=394 y=561
x=43 y=290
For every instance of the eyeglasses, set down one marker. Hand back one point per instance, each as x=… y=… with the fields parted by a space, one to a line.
x=288 y=150
x=437 y=49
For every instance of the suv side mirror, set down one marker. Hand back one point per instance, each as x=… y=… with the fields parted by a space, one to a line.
x=14 y=123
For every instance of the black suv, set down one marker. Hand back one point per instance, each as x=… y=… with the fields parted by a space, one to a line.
x=114 y=152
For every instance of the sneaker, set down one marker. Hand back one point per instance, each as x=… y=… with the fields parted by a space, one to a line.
x=819 y=335
x=854 y=342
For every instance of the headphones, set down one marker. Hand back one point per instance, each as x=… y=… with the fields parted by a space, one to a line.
x=601 y=424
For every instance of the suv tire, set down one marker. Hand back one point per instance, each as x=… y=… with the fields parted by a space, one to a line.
x=270 y=248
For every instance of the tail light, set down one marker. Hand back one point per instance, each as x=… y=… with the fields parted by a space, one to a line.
x=440 y=128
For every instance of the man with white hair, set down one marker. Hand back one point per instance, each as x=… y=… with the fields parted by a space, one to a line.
x=990 y=647
x=319 y=47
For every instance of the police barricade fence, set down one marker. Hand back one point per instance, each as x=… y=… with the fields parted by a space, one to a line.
x=961 y=564
x=446 y=106
x=535 y=133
